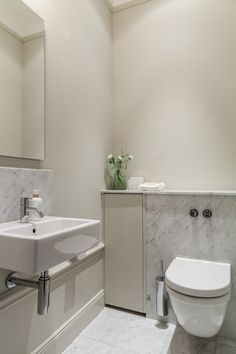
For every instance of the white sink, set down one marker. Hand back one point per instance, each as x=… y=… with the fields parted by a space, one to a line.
x=38 y=246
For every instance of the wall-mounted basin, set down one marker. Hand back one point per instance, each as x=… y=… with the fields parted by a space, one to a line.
x=35 y=247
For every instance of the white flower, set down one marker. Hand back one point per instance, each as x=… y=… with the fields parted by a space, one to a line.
x=119 y=158
x=109 y=157
x=131 y=157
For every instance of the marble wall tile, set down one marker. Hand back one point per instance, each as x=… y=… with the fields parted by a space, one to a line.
x=16 y=183
x=225 y=346
x=171 y=232
x=19 y=182
x=183 y=343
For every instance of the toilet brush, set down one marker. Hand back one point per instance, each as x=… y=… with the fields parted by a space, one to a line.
x=161 y=294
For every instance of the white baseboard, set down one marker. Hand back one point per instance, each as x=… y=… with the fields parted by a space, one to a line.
x=61 y=338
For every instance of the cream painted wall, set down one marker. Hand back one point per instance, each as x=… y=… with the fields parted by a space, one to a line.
x=175 y=91
x=78 y=100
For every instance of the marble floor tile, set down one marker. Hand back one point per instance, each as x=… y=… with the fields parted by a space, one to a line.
x=108 y=326
x=87 y=346
x=142 y=336
x=117 y=350
x=120 y=332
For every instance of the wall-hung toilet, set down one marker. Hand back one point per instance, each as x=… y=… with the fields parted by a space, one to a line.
x=199 y=292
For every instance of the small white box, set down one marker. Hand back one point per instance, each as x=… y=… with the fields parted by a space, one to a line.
x=134 y=182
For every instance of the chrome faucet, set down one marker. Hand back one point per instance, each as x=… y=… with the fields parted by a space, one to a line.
x=24 y=209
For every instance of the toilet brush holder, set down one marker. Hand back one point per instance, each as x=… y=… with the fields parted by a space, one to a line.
x=161 y=295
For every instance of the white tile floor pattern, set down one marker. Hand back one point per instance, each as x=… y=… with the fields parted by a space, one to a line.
x=120 y=332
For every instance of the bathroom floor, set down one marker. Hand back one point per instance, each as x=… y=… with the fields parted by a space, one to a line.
x=120 y=332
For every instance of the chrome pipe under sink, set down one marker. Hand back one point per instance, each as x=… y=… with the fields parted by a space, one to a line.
x=43 y=286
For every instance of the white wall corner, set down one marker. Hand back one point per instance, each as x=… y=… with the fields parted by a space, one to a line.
x=109 y=4
x=118 y=5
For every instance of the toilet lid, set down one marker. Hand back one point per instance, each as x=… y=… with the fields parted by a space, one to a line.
x=198 y=278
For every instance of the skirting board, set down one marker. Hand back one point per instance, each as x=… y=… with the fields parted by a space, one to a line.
x=60 y=339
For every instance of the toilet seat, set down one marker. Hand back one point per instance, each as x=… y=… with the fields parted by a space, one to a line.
x=197 y=278
x=198 y=300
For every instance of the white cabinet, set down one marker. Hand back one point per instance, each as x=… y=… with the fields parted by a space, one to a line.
x=123 y=233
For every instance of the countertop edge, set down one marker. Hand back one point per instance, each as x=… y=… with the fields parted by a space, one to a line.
x=173 y=192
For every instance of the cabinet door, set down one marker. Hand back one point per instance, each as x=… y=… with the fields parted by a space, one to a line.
x=123 y=231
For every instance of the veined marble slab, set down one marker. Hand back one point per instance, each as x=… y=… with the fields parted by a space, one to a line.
x=183 y=343
x=20 y=182
x=173 y=191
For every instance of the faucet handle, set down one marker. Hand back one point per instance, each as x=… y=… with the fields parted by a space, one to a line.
x=24 y=200
x=24 y=204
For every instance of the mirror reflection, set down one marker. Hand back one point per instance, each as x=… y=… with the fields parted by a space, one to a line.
x=22 y=81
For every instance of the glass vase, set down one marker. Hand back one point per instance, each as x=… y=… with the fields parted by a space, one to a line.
x=119 y=181
x=116 y=180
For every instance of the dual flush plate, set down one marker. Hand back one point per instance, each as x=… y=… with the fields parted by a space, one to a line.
x=207 y=213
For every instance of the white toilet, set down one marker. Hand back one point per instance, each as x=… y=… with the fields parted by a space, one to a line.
x=199 y=292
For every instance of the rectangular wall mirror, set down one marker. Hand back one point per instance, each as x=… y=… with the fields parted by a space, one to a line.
x=22 y=81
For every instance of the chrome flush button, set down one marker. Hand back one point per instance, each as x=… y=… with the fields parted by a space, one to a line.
x=207 y=213
x=193 y=213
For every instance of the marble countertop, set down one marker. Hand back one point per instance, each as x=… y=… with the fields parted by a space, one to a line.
x=173 y=191
x=24 y=168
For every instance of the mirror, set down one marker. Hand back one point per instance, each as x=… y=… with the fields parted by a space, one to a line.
x=22 y=81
